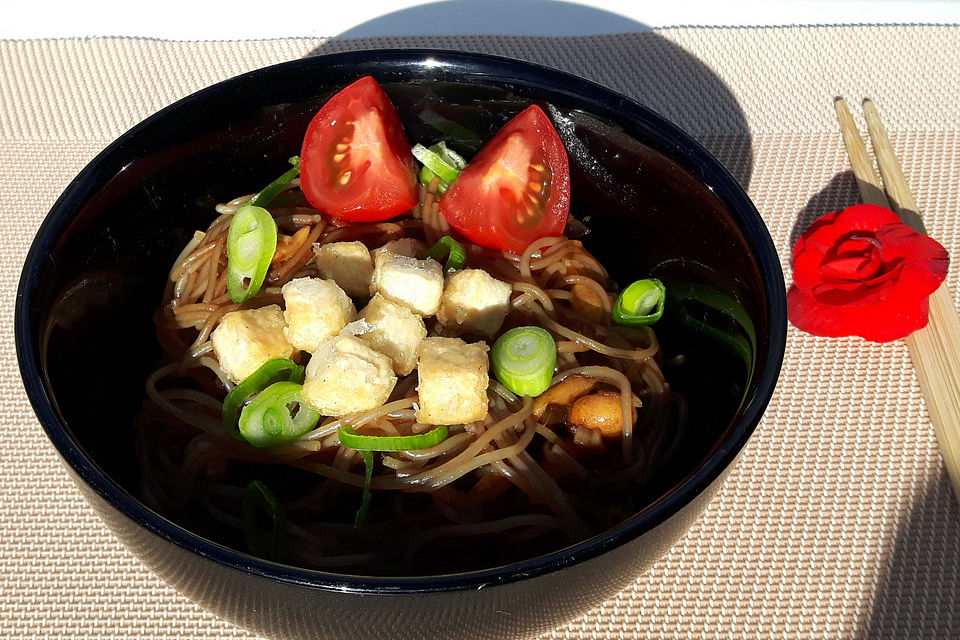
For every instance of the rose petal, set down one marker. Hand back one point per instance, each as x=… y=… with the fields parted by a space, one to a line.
x=914 y=266
x=818 y=238
x=871 y=292
x=875 y=323
x=808 y=314
x=884 y=323
x=925 y=260
x=853 y=259
x=863 y=217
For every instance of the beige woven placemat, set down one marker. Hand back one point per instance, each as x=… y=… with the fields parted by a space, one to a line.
x=838 y=522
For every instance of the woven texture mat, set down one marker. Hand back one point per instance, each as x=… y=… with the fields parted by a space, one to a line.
x=838 y=522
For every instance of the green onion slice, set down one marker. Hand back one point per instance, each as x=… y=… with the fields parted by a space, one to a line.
x=265 y=539
x=453 y=250
x=364 y=509
x=277 y=415
x=440 y=162
x=251 y=243
x=450 y=156
x=427 y=176
x=523 y=360
x=435 y=162
x=353 y=440
x=276 y=370
x=271 y=191
x=640 y=303
x=366 y=445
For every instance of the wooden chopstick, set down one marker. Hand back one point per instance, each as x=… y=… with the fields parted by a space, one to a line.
x=871 y=191
x=901 y=200
x=935 y=349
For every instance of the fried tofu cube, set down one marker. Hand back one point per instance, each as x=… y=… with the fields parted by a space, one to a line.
x=473 y=301
x=349 y=264
x=246 y=339
x=315 y=309
x=345 y=375
x=396 y=332
x=453 y=381
x=416 y=284
x=410 y=247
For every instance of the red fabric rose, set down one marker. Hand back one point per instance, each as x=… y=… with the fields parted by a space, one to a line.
x=863 y=272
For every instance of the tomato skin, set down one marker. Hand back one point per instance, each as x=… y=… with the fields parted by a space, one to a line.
x=516 y=189
x=355 y=163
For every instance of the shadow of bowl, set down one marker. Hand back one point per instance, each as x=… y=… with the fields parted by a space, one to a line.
x=502 y=17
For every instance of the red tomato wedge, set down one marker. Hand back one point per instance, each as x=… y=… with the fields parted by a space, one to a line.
x=356 y=162
x=516 y=189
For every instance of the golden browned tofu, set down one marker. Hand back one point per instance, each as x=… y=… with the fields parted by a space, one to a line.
x=246 y=339
x=345 y=376
x=473 y=301
x=410 y=247
x=416 y=284
x=349 y=264
x=315 y=309
x=395 y=331
x=452 y=381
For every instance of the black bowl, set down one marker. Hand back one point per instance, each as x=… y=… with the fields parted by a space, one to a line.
x=656 y=200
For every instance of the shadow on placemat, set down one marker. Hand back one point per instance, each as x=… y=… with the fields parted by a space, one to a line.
x=840 y=193
x=921 y=585
x=642 y=65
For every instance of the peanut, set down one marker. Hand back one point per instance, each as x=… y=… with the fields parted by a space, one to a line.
x=600 y=412
x=586 y=301
x=563 y=393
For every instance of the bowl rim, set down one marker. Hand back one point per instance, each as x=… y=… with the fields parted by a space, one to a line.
x=532 y=77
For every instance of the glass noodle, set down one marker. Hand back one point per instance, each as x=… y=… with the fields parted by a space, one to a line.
x=502 y=488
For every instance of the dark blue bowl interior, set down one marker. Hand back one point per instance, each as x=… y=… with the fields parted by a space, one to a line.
x=655 y=200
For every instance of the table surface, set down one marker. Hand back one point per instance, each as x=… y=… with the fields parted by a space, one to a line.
x=837 y=522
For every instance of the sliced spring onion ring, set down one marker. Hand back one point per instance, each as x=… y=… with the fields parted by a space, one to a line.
x=640 y=303
x=427 y=176
x=258 y=503
x=364 y=509
x=453 y=250
x=277 y=415
x=271 y=191
x=359 y=442
x=251 y=243
x=366 y=445
x=439 y=162
x=523 y=360
x=435 y=162
x=451 y=157
x=276 y=370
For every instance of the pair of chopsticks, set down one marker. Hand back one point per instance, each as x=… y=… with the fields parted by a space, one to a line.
x=935 y=349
